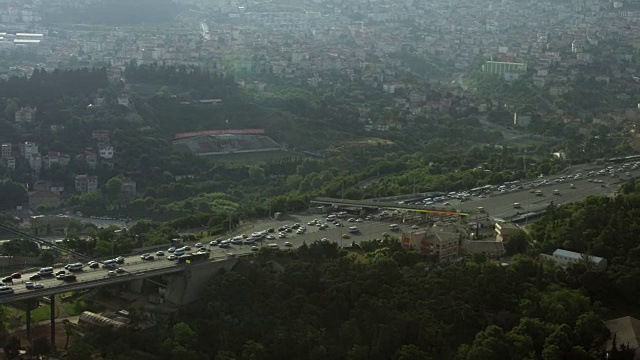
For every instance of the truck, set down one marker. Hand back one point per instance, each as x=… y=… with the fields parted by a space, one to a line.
x=192 y=257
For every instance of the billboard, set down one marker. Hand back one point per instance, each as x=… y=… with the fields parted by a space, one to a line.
x=185 y=135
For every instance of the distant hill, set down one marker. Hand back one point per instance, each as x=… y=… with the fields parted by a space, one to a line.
x=123 y=12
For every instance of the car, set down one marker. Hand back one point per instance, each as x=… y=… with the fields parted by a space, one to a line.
x=112 y=273
x=288 y=244
x=415 y=227
x=7 y=280
x=199 y=245
x=144 y=256
x=149 y=258
x=70 y=278
x=94 y=265
x=172 y=249
x=255 y=248
x=159 y=253
x=29 y=285
x=120 y=270
x=351 y=220
x=186 y=248
x=282 y=236
x=270 y=230
x=359 y=220
x=61 y=272
x=172 y=257
x=38 y=286
x=300 y=232
x=203 y=251
x=271 y=237
x=249 y=241
x=324 y=240
x=35 y=277
x=61 y=276
x=120 y=260
x=16 y=275
x=213 y=243
x=346 y=236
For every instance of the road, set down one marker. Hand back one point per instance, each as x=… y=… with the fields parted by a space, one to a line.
x=500 y=205
x=135 y=265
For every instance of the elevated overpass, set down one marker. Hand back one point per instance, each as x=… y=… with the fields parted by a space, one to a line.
x=370 y=204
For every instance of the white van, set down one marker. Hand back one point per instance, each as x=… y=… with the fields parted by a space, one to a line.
x=110 y=263
x=516 y=205
x=46 y=271
x=394 y=227
x=75 y=267
x=353 y=229
x=331 y=217
x=273 y=246
x=179 y=252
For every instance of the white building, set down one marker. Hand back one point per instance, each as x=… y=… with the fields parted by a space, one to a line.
x=106 y=152
x=565 y=257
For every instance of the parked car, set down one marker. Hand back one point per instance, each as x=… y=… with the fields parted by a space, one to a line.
x=171 y=249
x=288 y=244
x=70 y=278
x=112 y=273
x=120 y=260
x=16 y=275
x=7 y=280
x=159 y=253
x=144 y=256
x=35 y=277
x=172 y=257
x=120 y=271
x=149 y=258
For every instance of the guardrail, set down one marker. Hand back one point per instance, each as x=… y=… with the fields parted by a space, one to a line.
x=85 y=284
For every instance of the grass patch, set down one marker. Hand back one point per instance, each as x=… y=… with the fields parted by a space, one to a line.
x=254 y=157
x=41 y=313
x=76 y=307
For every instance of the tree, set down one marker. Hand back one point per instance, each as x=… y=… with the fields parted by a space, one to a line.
x=47 y=257
x=10 y=110
x=410 y=352
x=113 y=187
x=80 y=350
x=41 y=346
x=252 y=350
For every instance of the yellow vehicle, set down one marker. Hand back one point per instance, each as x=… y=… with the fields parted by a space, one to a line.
x=345 y=236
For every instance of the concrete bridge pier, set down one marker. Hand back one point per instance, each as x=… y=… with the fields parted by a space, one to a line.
x=53 y=319
x=28 y=316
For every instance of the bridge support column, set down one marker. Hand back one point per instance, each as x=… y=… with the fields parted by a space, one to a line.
x=53 y=319
x=28 y=316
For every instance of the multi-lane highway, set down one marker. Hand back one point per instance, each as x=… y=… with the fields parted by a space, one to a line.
x=135 y=267
x=496 y=205
x=501 y=205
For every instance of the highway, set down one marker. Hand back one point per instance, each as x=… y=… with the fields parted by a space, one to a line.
x=496 y=205
x=500 y=205
x=135 y=267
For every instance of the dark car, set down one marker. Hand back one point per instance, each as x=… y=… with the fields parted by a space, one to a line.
x=271 y=230
x=16 y=275
x=35 y=277
x=7 y=280
x=61 y=272
x=94 y=265
x=70 y=278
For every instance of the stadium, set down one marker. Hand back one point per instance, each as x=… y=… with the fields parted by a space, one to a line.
x=222 y=142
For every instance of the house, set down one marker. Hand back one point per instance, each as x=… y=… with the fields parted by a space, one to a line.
x=128 y=188
x=438 y=241
x=43 y=198
x=106 y=152
x=626 y=331
x=504 y=230
x=491 y=248
x=11 y=162
x=6 y=151
x=28 y=149
x=86 y=183
x=25 y=115
x=102 y=136
x=35 y=162
x=565 y=257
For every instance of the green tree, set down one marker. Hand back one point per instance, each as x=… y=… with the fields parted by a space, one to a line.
x=80 y=350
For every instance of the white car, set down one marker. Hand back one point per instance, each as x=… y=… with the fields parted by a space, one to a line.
x=254 y=248
x=172 y=257
x=271 y=237
x=282 y=236
x=159 y=253
x=415 y=227
x=38 y=286
x=171 y=249
x=112 y=273
x=288 y=244
x=199 y=245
